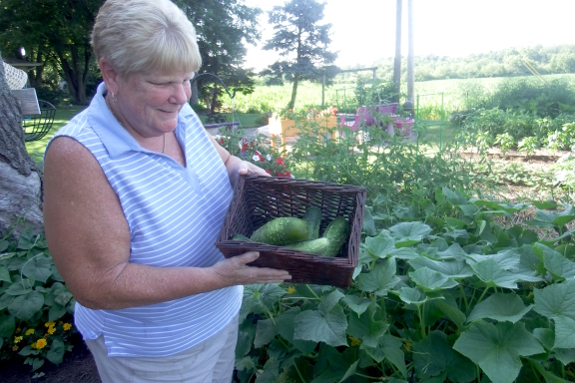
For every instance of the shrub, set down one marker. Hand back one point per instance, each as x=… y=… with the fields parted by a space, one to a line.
x=256 y=150
x=35 y=305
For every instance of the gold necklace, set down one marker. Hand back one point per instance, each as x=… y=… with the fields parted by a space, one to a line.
x=117 y=119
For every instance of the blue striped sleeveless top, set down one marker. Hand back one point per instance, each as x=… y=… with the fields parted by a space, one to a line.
x=174 y=216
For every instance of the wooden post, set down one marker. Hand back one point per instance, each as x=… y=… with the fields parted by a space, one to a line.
x=410 y=55
x=397 y=61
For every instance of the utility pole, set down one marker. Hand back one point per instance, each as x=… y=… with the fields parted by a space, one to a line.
x=410 y=54
x=397 y=61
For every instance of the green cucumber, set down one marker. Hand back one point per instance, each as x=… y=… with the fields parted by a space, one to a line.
x=241 y=237
x=281 y=231
x=337 y=232
x=314 y=246
x=313 y=218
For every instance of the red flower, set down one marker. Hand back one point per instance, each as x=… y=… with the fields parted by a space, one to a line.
x=268 y=172
x=284 y=174
x=280 y=161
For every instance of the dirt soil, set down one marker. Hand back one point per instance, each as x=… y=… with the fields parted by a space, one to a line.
x=541 y=160
x=78 y=367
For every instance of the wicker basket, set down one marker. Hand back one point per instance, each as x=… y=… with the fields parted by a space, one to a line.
x=258 y=199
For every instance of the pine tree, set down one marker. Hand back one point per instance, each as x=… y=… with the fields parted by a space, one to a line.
x=302 y=43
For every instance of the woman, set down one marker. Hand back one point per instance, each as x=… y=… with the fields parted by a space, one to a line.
x=135 y=195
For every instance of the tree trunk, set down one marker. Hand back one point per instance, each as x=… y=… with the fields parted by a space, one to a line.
x=293 y=93
x=74 y=75
x=20 y=177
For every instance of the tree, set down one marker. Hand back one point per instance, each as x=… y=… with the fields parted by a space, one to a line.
x=302 y=42
x=223 y=27
x=20 y=177
x=53 y=32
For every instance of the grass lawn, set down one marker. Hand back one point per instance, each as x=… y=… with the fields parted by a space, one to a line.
x=246 y=120
x=36 y=149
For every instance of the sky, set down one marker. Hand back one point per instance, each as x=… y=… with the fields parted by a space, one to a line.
x=363 y=31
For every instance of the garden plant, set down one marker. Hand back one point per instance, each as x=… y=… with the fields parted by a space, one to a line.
x=448 y=288
x=451 y=286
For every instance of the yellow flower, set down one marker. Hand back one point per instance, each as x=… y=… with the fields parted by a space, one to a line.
x=33 y=345
x=49 y=324
x=354 y=341
x=18 y=339
x=291 y=290
x=67 y=326
x=41 y=343
x=51 y=330
x=14 y=348
x=29 y=331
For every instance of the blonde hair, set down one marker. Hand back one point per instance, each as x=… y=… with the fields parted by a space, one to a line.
x=145 y=35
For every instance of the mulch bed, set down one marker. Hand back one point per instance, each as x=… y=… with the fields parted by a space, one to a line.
x=78 y=367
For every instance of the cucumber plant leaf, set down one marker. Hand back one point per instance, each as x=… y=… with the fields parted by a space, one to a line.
x=501 y=307
x=496 y=348
x=285 y=326
x=415 y=231
x=388 y=347
x=557 y=302
x=565 y=355
x=356 y=303
x=492 y=274
x=381 y=279
x=328 y=328
x=558 y=219
x=452 y=252
x=434 y=355
x=380 y=246
x=453 y=313
x=5 y=274
x=545 y=336
x=260 y=297
x=455 y=269
x=368 y=327
x=430 y=280
x=559 y=266
x=411 y=295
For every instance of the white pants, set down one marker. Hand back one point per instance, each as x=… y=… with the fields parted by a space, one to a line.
x=210 y=361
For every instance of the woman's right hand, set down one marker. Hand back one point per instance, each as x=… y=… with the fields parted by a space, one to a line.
x=236 y=271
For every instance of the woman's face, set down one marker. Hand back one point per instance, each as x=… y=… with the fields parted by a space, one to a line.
x=150 y=102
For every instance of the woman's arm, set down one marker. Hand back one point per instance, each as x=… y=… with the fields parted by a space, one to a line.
x=89 y=240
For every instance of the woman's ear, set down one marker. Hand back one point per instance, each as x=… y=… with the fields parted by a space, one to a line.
x=109 y=75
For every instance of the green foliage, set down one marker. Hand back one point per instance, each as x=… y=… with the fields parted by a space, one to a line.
x=35 y=306
x=460 y=296
x=510 y=62
x=374 y=91
x=393 y=171
x=223 y=28
x=297 y=33
x=55 y=34
x=257 y=150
